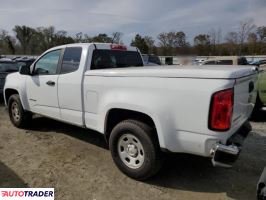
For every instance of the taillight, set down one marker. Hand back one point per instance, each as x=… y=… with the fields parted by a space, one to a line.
x=118 y=47
x=221 y=110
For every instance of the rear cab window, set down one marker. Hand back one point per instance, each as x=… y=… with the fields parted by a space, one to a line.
x=108 y=59
x=71 y=59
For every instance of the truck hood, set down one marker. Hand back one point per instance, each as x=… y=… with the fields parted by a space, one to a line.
x=210 y=71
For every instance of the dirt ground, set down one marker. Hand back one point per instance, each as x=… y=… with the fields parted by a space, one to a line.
x=78 y=165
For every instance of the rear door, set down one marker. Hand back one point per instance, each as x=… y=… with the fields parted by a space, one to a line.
x=70 y=85
x=42 y=85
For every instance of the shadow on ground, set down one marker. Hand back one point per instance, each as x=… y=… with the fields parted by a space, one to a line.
x=180 y=171
x=186 y=172
x=43 y=124
x=1 y=100
x=259 y=116
x=191 y=173
x=9 y=179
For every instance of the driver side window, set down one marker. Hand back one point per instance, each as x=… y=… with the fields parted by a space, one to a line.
x=47 y=65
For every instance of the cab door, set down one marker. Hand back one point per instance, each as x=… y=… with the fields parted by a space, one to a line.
x=70 y=93
x=42 y=85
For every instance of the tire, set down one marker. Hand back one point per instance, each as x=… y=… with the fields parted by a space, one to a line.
x=18 y=116
x=135 y=150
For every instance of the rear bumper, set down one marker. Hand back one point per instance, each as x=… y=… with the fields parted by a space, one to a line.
x=224 y=155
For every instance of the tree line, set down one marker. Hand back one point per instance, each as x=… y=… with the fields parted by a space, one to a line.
x=247 y=40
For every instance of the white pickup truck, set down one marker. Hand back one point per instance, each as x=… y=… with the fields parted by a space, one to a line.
x=142 y=111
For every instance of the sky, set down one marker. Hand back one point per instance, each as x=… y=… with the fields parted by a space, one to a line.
x=146 y=17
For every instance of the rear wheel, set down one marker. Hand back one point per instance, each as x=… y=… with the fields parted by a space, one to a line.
x=135 y=150
x=18 y=116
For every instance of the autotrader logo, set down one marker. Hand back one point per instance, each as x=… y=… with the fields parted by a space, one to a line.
x=27 y=193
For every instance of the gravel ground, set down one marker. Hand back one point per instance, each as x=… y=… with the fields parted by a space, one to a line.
x=77 y=163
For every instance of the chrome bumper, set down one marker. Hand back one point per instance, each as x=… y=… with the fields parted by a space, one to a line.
x=224 y=155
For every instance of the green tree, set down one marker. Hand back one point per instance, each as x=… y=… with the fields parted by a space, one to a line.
x=102 y=37
x=117 y=37
x=45 y=36
x=24 y=34
x=151 y=44
x=7 y=43
x=202 y=39
x=140 y=42
x=252 y=44
x=61 y=38
x=245 y=28
x=10 y=43
x=232 y=43
x=261 y=31
x=171 y=42
x=202 y=44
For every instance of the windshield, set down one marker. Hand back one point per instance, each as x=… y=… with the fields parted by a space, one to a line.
x=9 y=67
x=105 y=59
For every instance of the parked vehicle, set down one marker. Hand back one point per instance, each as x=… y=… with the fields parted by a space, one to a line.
x=151 y=60
x=141 y=111
x=226 y=60
x=169 y=60
x=261 y=188
x=260 y=63
x=5 y=59
x=199 y=61
x=261 y=97
x=7 y=66
x=25 y=61
x=233 y=60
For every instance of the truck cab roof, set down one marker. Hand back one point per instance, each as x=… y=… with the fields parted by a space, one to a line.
x=109 y=46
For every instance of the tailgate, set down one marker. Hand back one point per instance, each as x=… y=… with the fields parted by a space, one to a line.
x=245 y=93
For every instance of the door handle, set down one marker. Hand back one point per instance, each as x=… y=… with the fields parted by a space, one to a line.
x=50 y=83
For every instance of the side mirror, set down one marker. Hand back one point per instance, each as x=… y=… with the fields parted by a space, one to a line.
x=24 y=70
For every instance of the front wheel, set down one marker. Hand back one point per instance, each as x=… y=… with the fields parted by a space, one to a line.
x=135 y=150
x=18 y=116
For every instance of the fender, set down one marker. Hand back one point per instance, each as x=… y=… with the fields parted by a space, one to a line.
x=17 y=82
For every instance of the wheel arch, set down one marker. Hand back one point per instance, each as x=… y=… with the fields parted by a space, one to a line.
x=116 y=115
x=8 y=93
